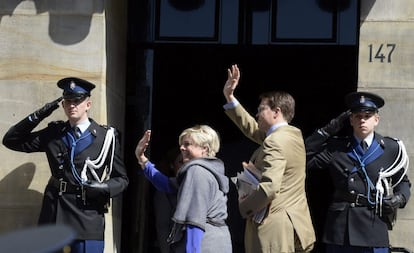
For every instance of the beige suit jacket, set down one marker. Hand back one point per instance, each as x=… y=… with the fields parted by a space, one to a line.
x=281 y=159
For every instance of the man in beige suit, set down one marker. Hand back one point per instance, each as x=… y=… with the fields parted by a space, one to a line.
x=287 y=226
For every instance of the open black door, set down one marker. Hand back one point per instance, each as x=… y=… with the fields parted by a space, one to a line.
x=175 y=83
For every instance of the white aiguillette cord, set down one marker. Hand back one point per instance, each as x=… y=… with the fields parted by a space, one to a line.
x=100 y=160
x=401 y=162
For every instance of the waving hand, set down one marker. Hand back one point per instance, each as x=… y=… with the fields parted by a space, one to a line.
x=233 y=77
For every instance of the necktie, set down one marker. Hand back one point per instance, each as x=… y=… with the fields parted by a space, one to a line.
x=77 y=133
x=364 y=145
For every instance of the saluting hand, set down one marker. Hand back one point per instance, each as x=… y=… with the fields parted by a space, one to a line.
x=335 y=125
x=233 y=77
x=142 y=147
x=45 y=111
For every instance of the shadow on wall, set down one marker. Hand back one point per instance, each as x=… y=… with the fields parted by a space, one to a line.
x=366 y=7
x=69 y=21
x=20 y=204
x=43 y=239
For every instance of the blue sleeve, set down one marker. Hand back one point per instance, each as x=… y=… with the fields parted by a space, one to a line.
x=194 y=238
x=231 y=105
x=159 y=180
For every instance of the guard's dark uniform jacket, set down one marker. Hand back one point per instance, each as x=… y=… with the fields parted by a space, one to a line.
x=351 y=218
x=65 y=201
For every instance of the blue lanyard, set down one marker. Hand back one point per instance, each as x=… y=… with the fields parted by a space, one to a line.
x=372 y=153
x=73 y=143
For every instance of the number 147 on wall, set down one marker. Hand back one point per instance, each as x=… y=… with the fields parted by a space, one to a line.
x=382 y=53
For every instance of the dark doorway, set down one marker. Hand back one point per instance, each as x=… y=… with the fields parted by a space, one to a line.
x=188 y=82
x=187 y=90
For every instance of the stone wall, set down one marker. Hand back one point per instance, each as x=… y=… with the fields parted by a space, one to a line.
x=386 y=64
x=40 y=43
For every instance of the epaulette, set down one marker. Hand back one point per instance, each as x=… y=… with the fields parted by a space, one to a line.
x=342 y=140
x=336 y=137
x=107 y=127
x=392 y=138
x=389 y=138
x=57 y=122
x=58 y=125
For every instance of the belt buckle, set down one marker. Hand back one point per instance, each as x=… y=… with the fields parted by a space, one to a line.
x=357 y=198
x=62 y=186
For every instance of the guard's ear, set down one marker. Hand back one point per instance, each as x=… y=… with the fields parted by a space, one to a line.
x=89 y=103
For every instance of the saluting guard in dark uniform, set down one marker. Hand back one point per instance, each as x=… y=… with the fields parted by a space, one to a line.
x=85 y=163
x=368 y=172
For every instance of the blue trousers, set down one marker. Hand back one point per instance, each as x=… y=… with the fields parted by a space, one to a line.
x=87 y=246
x=330 y=248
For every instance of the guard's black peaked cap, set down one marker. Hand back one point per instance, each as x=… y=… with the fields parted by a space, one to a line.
x=75 y=88
x=363 y=102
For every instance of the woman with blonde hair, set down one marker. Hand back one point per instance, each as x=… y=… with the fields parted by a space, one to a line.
x=201 y=187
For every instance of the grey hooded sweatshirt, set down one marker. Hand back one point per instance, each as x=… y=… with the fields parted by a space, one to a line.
x=202 y=202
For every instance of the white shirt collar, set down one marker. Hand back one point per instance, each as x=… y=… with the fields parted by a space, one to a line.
x=84 y=125
x=368 y=139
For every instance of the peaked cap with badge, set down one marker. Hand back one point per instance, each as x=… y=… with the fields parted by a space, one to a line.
x=363 y=102
x=75 y=88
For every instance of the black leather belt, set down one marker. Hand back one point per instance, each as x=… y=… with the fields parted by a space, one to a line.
x=354 y=198
x=64 y=187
